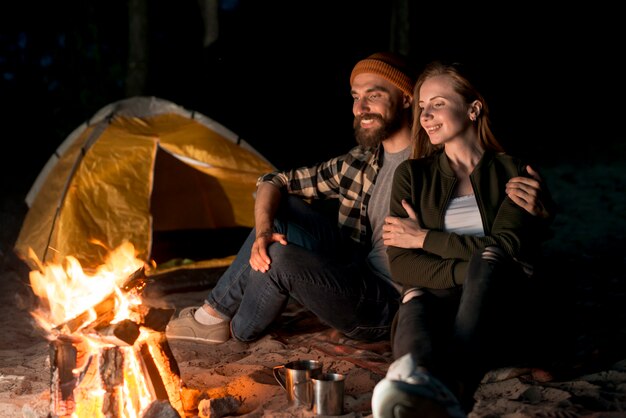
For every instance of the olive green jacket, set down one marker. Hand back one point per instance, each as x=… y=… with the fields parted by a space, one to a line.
x=428 y=185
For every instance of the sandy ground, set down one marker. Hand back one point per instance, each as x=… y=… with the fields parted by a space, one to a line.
x=584 y=377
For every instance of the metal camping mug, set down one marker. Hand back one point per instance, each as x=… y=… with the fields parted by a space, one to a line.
x=295 y=378
x=328 y=393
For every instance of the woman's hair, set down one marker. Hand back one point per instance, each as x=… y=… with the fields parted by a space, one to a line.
x=462 y=85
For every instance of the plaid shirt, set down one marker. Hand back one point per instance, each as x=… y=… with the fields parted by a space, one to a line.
x=349 y=177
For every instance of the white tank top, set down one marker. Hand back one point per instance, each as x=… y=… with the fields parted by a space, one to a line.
x=463 y=217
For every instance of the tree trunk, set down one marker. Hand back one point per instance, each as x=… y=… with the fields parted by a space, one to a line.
x=399 y=38
x=209 y=10
x=137 y=70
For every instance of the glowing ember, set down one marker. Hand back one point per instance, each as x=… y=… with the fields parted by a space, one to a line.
x=108 y=359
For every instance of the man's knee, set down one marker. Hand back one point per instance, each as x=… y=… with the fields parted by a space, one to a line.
x=278 y=253
x=285 y=257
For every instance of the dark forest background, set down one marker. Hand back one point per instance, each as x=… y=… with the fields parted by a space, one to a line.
x=278 y=72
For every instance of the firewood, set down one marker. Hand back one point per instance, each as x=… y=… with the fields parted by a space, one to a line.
x=169 y=375
x=111 y=369
x=157 y=318
x=62 y=380
x=123 y=333
x=104 y=312
x=136 y=281
x=154 y=376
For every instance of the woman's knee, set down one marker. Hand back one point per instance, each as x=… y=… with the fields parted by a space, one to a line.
x=483 y=264
x=494 y=255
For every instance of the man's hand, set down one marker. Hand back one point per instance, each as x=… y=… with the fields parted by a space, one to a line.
x=259 y=259
x=268 y=198
x=526 y=192
x=404 y=232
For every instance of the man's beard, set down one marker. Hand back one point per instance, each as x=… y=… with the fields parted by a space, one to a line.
x=370 y=138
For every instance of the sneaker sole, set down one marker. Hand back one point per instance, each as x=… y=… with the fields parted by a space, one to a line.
x=196 y=340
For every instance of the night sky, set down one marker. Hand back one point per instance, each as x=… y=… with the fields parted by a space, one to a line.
x=279 y=73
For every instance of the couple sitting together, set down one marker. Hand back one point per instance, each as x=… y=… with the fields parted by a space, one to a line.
x=437 y=234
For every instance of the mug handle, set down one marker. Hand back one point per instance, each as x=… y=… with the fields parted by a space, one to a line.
x=279 y=376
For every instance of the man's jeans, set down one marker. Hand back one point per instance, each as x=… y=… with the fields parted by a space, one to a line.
x=340 y=290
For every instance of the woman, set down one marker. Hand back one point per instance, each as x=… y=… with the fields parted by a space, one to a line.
x=461 y=248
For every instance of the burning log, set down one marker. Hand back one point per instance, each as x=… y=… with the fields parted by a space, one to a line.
x=136 y=281
x=111 y=370
x=157 y=318
x=128 y=378
x=125 y=332
x=63 y=356
x=104 y=312
x=100 y=314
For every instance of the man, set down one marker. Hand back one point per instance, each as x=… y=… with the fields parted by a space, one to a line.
x=338 y=272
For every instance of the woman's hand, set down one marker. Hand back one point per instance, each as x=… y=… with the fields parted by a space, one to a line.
x=404 y=232
x=526 y=192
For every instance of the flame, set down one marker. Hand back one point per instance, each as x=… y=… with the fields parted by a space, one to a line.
x=67 y=291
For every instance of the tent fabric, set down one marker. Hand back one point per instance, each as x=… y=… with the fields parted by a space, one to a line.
x=139 y=167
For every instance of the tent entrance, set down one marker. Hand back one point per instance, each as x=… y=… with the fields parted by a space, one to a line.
x=192 y=217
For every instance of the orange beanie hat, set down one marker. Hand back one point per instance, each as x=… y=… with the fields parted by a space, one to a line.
x=389 y=66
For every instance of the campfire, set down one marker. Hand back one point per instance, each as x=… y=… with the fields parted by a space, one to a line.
x=109 y=356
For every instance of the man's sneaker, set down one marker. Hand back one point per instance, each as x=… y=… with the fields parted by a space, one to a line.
x=185 y=327
x=408 y=391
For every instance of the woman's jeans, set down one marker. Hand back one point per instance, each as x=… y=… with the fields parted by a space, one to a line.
x=459 y=334
x=314 y=269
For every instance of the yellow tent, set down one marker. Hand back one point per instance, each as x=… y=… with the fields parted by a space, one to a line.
x=140 y=169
